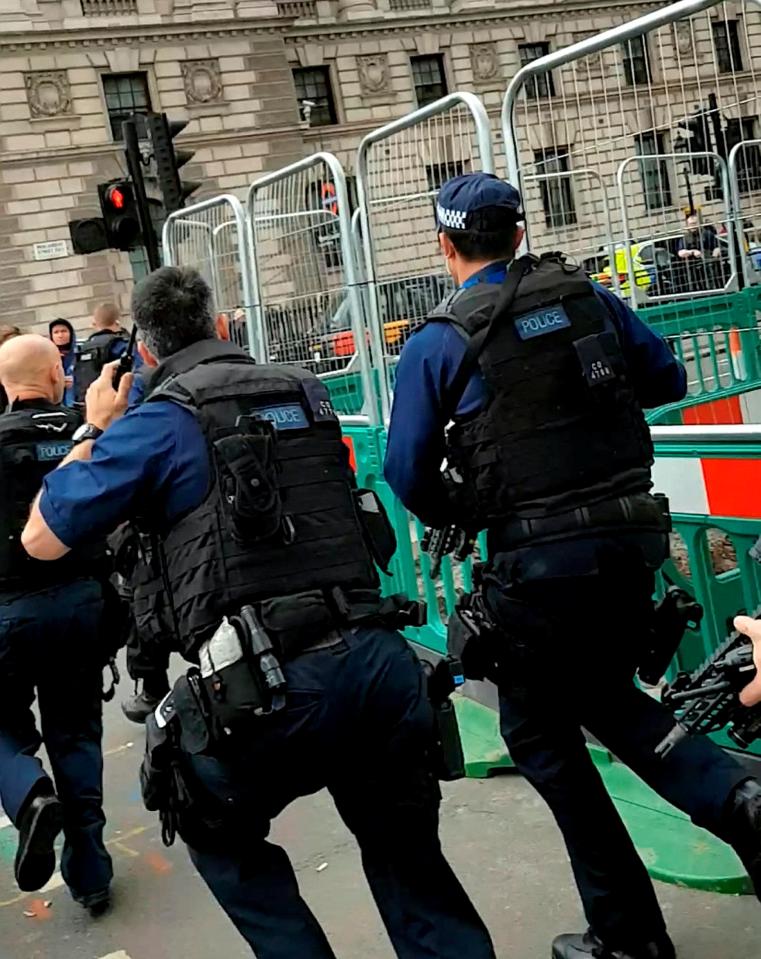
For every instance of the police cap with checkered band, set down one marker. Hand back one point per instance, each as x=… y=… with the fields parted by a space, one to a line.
x=479 y=203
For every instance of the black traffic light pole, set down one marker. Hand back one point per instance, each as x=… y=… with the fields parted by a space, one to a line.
x=135 y=168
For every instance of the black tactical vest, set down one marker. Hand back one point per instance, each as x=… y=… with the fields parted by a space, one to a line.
x=34 y=438
x=280 y=517
x=92 y=356
x=561 y=428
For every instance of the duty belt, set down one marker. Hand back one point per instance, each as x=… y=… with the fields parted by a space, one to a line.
x=639 y=511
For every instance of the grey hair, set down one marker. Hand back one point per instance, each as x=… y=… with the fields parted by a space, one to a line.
x=172 y=309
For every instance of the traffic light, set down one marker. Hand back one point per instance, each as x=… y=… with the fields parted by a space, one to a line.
x=174 y=191
x=88 y=236
x=120 y=216
x=694 y=136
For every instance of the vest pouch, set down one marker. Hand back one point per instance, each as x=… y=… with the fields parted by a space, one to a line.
x=248 y=476
x=234 y=688
x=377 y=530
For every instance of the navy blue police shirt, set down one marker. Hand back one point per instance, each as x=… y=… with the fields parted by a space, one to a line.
x=152 y=461
x=427 y=367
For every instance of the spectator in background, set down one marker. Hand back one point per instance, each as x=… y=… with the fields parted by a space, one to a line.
x=698 y=241
x=63 y=336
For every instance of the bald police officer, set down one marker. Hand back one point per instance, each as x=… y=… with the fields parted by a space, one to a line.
x=545 y=377
x=50 y=620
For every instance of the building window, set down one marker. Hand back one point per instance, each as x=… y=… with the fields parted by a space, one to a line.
x=656 y=183
x=636 y=61
x=749 y=159
x=557 y=194
x=429 y=78
x=542 y=84
x=726 y=42
x=126 y=93
x=313 y=86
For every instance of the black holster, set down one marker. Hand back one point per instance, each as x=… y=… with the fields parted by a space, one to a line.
x=472 y=637
x=443 y=679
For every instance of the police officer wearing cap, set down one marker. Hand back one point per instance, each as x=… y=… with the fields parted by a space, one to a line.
x=530 y=380
x=239 y=474
x=51 y=631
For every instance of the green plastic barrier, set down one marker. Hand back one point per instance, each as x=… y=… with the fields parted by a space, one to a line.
x=701 y=331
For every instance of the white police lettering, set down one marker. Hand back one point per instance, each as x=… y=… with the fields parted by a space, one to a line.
x=600 y=370
x=52 y=451
x=542 y=322
x=290 y=416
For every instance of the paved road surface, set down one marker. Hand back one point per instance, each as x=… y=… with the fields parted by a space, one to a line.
x=498 y=834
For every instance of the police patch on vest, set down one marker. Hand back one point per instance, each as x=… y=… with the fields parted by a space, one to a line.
x=288 y=416
x=541 y=322
x=46 y=452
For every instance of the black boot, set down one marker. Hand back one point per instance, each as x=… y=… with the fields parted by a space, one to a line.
x=96 y=903
x=744 y=828
x=139 y=707
x=39 y=825
x=578 y=946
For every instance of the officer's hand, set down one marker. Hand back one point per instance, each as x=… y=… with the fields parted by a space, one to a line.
x=751 y=695
x=104 y=404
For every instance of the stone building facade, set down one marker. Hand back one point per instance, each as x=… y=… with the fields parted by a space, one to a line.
x=266 y=82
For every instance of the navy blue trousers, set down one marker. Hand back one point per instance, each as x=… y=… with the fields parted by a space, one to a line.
x=572 y=647
x=49 y=647
x=357 y=722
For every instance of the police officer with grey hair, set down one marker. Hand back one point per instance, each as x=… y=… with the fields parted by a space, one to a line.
x=265 y=578
x=544 y=377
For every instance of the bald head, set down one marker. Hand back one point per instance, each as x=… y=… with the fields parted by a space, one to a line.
x=30 y=368
x=106 y=317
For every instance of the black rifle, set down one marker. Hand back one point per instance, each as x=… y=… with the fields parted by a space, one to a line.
x=439 y=543
x=706 y=700
x=443 y=679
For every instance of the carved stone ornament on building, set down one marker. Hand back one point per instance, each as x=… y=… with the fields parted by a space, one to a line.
x=373 y=74
x=48 y=93
x=485 y=61
x=202 y=81
x=685 y=41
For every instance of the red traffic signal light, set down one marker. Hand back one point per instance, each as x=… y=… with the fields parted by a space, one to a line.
x=120 y=216
x=115 y=197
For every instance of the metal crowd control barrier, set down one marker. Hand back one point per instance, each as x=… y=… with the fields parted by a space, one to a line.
x=744 y=164
x=212 y=237
x=657 y=104
x=308 y=304
x=400 y=168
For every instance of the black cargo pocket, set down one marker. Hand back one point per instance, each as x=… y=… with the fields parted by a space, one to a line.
x=248 y=476
x=378 y=532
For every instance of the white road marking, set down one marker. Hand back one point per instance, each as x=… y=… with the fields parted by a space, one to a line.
x=121 y=954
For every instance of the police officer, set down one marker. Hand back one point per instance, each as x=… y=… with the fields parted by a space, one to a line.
x=240 y=473
x=545 y=376
x=109 y=342
x=50 y=619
